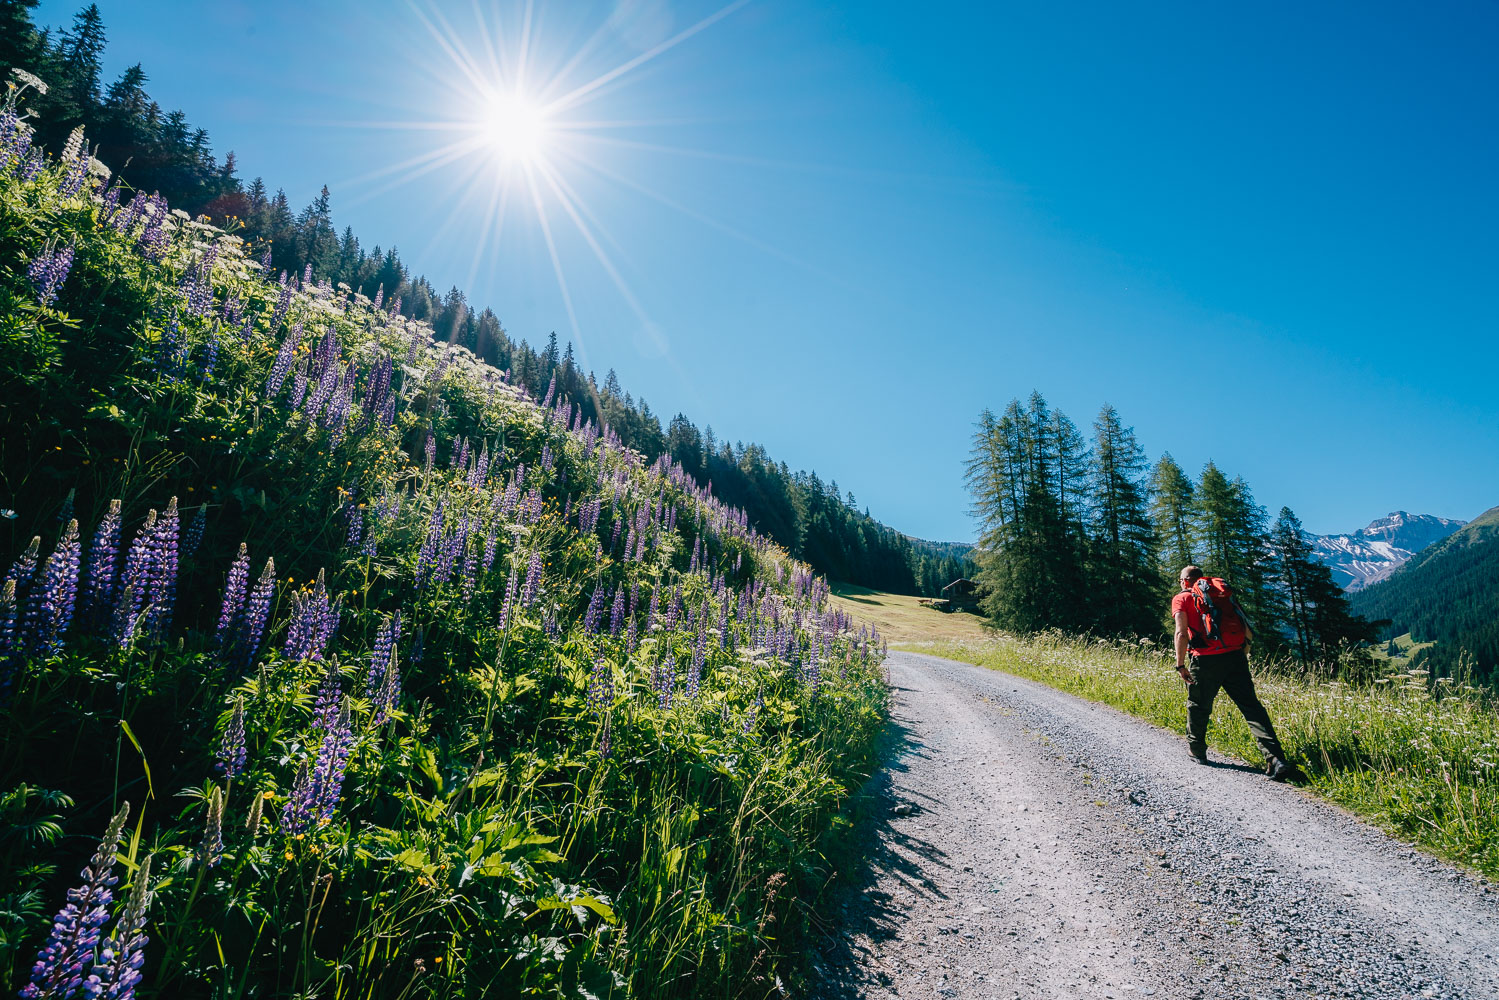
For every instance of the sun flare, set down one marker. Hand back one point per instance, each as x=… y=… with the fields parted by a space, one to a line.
x=514 y=128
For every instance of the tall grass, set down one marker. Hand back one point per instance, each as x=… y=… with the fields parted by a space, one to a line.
x=1418 y=756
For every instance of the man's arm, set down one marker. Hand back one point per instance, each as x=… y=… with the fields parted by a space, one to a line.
x=1182 y=647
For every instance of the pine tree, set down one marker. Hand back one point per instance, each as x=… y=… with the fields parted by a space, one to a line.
x=1027 y=473
x=1296 y=565
x=82 y=50
x=1323 y=627
x=1122 y=561
x=1173 y=511
x=1233 y=532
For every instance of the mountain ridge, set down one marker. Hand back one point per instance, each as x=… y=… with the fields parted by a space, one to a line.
x=1361 y=558
x=1447 y=593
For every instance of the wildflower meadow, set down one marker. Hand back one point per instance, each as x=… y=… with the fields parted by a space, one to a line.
x=332 y=664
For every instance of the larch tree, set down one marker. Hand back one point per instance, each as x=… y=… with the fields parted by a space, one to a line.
x=1122 y=550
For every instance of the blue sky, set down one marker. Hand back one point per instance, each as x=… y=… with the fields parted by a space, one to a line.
x=1267 y=236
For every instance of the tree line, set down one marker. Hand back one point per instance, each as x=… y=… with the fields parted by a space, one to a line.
x=1083 y=534
x=155 y=150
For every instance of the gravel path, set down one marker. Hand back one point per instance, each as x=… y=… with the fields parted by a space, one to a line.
x=1032 y=844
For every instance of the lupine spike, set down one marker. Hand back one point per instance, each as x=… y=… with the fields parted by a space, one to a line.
x=68 y=955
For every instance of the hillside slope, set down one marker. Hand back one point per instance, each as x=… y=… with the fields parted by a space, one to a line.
x=155 y=151
x=1447 y=593
x=396 y=681
x=1372 y=553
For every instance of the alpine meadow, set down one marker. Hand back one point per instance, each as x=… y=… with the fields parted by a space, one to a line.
x=356 y=644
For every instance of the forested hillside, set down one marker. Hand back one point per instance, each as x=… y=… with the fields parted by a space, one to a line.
x=154 y=150
x=333 y=664
x=1447 y=594
x=1085 y=536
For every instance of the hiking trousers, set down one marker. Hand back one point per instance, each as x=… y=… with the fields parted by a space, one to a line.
x=1229 y=672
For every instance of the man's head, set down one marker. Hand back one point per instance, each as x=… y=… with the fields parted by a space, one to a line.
x=1190 y=575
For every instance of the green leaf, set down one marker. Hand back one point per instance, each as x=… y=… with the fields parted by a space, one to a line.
x=150 y=791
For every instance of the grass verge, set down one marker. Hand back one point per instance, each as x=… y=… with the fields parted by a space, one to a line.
x=1419 y=759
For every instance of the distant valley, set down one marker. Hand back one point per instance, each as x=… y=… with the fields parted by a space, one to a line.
x=1372 y=553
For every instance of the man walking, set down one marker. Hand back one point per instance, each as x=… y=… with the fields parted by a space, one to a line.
x=1212 y=627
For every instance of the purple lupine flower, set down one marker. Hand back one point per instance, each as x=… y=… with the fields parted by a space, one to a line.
x=68 y=955
x=551 y=388
x=233 y=309
x=282 y=365
x=252 y=623
x=379 y=687
x=490 y=541
x=31 y=166
x=211 y=848
x=193 y=536
x=470 y=567
x=329 y=698
x=595 y=609
x=72 y=180
x=354 y=514
x=265 y=258
x=298 y=387
x=118 y=970
x=314 y=619
x=601 y=687
x=134 y=582
x=9 y=637
x=283 y=305
x=231 y=755
x=307 y=275
x=509 y=603
x=161 y=584
x=315 y=794
x=617 y=612
x=234 y=596
x=379 y=297
x=210 y=359
x=533 y=580
x=48 y=271
x=664 y=680
x=58 y=593
x=695 y=665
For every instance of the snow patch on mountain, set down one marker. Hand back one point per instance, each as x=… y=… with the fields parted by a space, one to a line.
x=1372 y=553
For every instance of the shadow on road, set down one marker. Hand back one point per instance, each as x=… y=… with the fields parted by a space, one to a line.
x=861 y=911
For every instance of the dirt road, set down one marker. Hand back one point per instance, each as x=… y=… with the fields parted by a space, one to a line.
x=1036 y=845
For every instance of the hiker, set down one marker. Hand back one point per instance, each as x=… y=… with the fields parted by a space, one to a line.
x=1214 y=629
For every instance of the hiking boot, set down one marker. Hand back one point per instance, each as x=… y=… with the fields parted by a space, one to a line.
x=1201 y=758
x=1280 y=770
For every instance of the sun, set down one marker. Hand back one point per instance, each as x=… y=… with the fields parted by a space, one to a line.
x=514 y=128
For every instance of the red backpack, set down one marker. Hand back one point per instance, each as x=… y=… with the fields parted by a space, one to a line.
x=1221 y=616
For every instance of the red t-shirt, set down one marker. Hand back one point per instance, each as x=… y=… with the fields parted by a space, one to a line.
x=1190 y=603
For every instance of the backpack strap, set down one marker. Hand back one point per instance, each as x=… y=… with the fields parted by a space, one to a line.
x=1205 y=590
